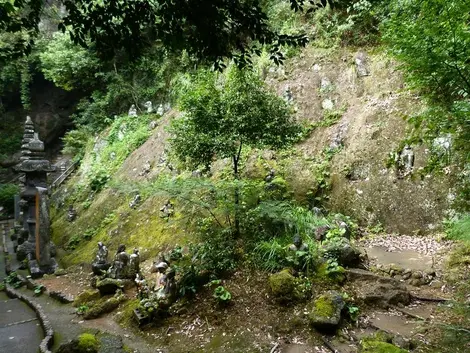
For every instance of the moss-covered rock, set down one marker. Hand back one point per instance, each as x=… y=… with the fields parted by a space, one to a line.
x=283 y=286
x=88 y=343
x=103 y=307
x=380 y=347
x=86 y=297
x=324 y=313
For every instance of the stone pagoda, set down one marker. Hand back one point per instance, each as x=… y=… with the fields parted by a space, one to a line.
x=35 y=230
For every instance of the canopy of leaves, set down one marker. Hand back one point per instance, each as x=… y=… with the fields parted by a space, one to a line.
x=224 y=112
x=210 y=30
x=67 y=65
x=432 y=38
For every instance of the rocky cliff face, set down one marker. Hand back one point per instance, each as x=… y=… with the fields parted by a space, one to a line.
x=357 y=100
x=367 y=91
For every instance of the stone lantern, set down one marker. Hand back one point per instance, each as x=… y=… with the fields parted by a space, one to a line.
x=36 y=247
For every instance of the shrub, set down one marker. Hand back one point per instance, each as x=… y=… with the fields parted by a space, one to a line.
x=458 y=229
x=7 y=194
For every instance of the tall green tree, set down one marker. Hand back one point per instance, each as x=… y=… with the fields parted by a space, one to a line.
x=224 y=113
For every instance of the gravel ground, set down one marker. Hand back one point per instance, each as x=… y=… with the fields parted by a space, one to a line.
x=428 y=245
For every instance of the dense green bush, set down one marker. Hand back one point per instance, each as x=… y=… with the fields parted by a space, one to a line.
x=7 y=193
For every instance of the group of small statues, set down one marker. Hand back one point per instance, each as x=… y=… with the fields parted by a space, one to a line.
x=157 y=292
x=124 y=266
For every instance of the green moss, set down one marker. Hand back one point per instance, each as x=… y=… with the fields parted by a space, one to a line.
x=380 y=347
x=86 y=297
x=103 y=306
x=88 y=343
x=282 y=285
x=323 y=307
x=126 y=315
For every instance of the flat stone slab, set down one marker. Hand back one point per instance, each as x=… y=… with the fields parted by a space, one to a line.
x=21 y=338
x=14 y=310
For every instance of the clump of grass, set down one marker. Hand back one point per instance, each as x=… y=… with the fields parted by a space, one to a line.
x=459 y=229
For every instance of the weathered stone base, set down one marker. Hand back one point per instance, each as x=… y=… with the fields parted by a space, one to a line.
x=37 y=271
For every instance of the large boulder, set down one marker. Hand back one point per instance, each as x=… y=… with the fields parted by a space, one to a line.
x=283 y=285
x=324 y=313
x=343 y=251
x=86 y=297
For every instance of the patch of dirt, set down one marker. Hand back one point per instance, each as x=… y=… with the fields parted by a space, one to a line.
x=74 y=282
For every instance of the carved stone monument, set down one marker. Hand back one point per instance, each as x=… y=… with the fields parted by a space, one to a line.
x=34 y=206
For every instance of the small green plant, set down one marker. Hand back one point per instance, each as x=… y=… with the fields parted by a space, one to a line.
x=82 y=309
x=222 y=295
x=353 y=312
x=73 y=242
x=176 y=253
x=38 y=290
x=335 y=233
x=13 y=280
x=86 y=204
x=334 y=270
x=89 y=233
x=2 y=286
x=376 y=229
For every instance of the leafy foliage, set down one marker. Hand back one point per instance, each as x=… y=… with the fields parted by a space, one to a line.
x=212 y=30
x=224 y=113
x=7 y=193
x=68 y=65
x=458 y=228
x=431 y=37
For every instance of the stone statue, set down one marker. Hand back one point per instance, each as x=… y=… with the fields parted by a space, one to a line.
x=71 y=214
x=298 y=245
x=132 y=110
x=148 y=106
x=168 y=291
x=167 y=210
x=160 y=269
x=288 y=97
x=135 y=201
x=143 y=289
x=406 y=162
x=270 y=176
x=101 y=263
x=134 y=263
x=120 y=267
x=160 y=110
